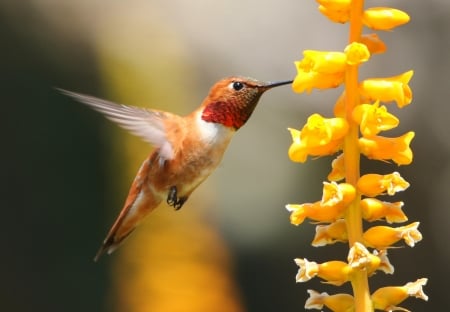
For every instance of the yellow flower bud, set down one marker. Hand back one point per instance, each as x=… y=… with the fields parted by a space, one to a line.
x=336 y=303
x=388 y=89
x=356 y=53
x=382 y=148
x=382 y=237
x=384 y=18
x=387 y=298
x=372 y=184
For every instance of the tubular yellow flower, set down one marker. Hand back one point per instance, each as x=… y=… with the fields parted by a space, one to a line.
x=383 y=148
x=335 y=199
x=337 y=195
x=337 y=169
x=325 y=62
x=373 y=184
x=356 y=53
x=336 y=303
x=372 y=119
x=320 y=136
x=373 y=43
x=384 y=18
x=360 y=258
x=387 y=298
x=385 y=264
x=388 y=89
x=319 y=69
x=382 y=237
x=330 y=234
x=319 y=131
x=334 y=272
x=374 y=209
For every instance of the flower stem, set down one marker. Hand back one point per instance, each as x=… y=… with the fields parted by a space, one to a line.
x=353 y=216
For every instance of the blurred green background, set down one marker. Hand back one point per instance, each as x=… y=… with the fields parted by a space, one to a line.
x=66 y=170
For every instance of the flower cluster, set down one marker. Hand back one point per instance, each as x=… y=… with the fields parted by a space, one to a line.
x=349 y=199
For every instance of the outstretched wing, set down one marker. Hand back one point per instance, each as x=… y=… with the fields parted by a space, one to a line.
x=147 y=124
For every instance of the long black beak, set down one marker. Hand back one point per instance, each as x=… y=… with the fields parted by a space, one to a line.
x=277 y=84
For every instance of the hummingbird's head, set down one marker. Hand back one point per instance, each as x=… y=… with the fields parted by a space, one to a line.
x=231 y=101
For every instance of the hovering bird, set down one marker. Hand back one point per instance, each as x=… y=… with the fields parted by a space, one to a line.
x=186 y=149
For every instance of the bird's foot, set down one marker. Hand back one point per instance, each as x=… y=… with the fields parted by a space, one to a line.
x=173 y=200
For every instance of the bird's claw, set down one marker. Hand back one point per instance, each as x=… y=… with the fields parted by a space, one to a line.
x=173 y=200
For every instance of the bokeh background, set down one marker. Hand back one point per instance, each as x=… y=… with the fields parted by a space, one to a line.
x=65 y=170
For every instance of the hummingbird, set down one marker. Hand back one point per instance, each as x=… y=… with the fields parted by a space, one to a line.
x=187 y=149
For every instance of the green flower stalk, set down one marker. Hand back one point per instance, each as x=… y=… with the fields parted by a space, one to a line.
x=354 y=130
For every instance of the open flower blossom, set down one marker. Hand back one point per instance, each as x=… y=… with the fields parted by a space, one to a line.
x=318 y=69
x=319 y=137
x=382 y=148
x=384 y=18
x=336 y=303
x=360 y=258
x=334 y=272
x=337 y=169
x=373 y=118
x=387 y=298
x=389 y=89
x=382 y=237
x=374 y=209
x=335 y=199
x=330 y=233
x=373 y=184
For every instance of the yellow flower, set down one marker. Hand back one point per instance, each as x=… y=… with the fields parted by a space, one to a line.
x=373 y=43
x=373 y=119
x=360 y=258
x=319 y=69
x=356 y=53
x=373 y=184
x=387 y=298
x=374 y=209
x=330 y=234
x=382 y=237
x=382 y=148
x=384 y=18
x=335 y=199
x=336 y=303
x=320 y=136
x=337 y=169
x=388 y=89
x=334 y=272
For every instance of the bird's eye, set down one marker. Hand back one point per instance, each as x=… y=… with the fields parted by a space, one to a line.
x=237 y=85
